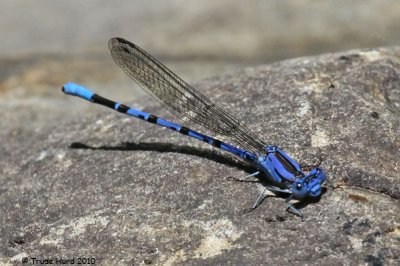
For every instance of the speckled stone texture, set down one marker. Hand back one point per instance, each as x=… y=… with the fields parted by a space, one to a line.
x=126 y=192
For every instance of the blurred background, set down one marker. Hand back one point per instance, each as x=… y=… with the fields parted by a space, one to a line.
x=45 y=43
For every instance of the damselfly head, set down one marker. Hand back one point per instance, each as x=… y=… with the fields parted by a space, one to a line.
x=310 y=185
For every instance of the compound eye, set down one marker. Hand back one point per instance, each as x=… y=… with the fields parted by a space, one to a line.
x=299 y=186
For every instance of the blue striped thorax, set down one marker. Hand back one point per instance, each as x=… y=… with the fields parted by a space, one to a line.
x=279 y=166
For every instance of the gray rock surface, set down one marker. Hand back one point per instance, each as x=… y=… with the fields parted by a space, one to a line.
x=123 y=191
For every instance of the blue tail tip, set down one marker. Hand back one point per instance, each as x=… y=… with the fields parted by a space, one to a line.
x=74 y=89
x=70 y=88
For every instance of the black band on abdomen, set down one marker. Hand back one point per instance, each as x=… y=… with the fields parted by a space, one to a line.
x=103 y=101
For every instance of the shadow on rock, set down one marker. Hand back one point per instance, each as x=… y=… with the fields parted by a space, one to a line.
x=168 y=147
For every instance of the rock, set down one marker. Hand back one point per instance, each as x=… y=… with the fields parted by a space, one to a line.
x=122 y=191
